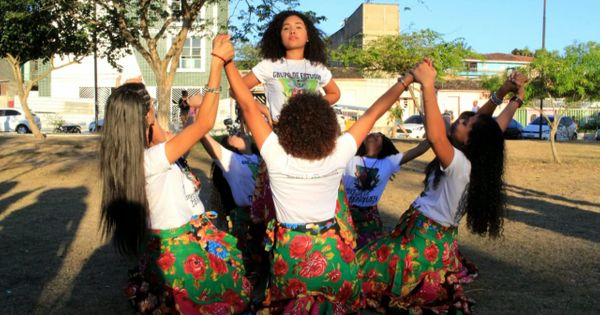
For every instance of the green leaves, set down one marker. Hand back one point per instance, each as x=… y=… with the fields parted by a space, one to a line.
x=397 y=54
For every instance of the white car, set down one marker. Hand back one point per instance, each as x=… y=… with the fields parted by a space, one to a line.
x=414 y=128
x=567 y=129
x=13 y=119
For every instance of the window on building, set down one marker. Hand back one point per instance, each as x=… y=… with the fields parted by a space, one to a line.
x=191 y=56
x=472 y=66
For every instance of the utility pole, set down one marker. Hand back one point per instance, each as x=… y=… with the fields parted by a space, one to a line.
x=543 y=48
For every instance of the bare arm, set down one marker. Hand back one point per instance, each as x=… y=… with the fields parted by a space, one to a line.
x=361 y=128
x=518 y=80
x=435 y=128
x=252 y=115
x=332 y=92
x=415 y=152
x=207 y=112
x=212 y=147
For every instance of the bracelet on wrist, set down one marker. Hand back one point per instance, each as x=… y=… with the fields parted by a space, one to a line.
x=401 y=81
x=225 y=62
x=495 y=99
x=517 y=99
x=207 y=89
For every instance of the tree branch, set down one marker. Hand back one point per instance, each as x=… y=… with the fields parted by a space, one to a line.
x=145 y=4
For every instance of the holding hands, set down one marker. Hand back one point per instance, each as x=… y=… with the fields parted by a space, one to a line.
x=222 y=48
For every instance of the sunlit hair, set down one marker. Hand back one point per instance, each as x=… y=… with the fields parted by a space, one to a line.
x=308 y=127
x=271 y=45
x=124 y=205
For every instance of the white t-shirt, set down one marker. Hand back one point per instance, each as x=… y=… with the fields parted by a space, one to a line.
x=365 y=178
x=240 y=172
x=172 y=197
x=442 y=203
x=306 y=191
x=287 y=77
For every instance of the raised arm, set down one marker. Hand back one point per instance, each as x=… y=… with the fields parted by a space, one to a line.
x=207 y=112
x=252 y=115
x=435 y=128
x=361 y=128
x=415 y=152
x=212 y=147
x=508 y=86
x=508 y=112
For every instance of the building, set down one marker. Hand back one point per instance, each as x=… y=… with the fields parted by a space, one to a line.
x=369 y=21
x=69 y=92
x=493 y=64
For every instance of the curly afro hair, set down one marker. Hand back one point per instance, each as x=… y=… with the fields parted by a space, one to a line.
x=308 y=127
x=271 y=45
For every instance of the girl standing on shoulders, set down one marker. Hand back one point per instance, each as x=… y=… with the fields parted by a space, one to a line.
x=151 y=205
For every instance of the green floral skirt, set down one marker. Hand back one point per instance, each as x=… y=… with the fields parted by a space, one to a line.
x=313 y=271
x=201 y=266
x=417 y=267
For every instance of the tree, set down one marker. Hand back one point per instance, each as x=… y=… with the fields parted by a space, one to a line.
x=572 y=76
x=398 y=53
x=522 y=52
x=39 y=30
x=247 y=56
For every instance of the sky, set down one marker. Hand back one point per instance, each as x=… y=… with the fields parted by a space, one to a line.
x=486 y=25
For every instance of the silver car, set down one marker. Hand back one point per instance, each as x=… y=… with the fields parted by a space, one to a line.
x=13 y=119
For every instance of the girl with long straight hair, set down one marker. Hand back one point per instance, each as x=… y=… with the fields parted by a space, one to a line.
x=418 y=266
x=151 y=205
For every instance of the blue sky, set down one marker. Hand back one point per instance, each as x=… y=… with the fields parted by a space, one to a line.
x=486 y=25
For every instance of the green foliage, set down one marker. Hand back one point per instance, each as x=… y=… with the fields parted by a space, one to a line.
x=522 y=52
x=247 y=56
x=398 y=53
x=39 y=29
x=573 y=75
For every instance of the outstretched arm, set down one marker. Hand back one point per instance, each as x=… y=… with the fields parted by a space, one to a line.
x=212 y=147
x=508 y=112
x=252 y=115
x=415 y=152
x=361 y=128
x=332 y=92
x=207 y=112
x=435 y=128
x=510 y=85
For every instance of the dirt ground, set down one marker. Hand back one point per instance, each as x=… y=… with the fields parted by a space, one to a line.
x=54 y=259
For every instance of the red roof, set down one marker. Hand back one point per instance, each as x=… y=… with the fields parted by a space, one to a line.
x=507 y=57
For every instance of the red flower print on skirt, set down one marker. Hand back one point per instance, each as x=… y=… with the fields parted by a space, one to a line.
x=217 y=264
x=295 y=287
x=345 y=291
x=346 y=251
x=383 y=253
x=431 y=252
x=300 y=245
x=194 y=264
x=314 y=266
x=334 y=275
x=165 y=261
x=280 y=267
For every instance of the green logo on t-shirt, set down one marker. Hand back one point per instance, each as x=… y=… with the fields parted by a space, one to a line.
x=293 y=86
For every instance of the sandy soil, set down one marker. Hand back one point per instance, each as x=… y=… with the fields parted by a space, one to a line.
x=55 y=261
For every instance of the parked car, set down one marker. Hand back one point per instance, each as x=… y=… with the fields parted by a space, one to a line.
x=598 y=134
x=92 y=127
x=13 y=119
x=567 y=129
x=514 y=130
x=414 y=128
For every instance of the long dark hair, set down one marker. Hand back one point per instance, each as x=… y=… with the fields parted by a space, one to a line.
x=271 y=45
x=124 y=202
x=485 y=200
x=387 y=148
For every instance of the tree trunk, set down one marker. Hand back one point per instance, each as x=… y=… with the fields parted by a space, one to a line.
x=163 y=89
x=23 y=92
x=553 y=130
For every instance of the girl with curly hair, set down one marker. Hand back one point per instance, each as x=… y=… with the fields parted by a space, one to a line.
x=294 y=59
x=418 y=266
x=313 y=263
x=152 y=209
x=365 y=178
